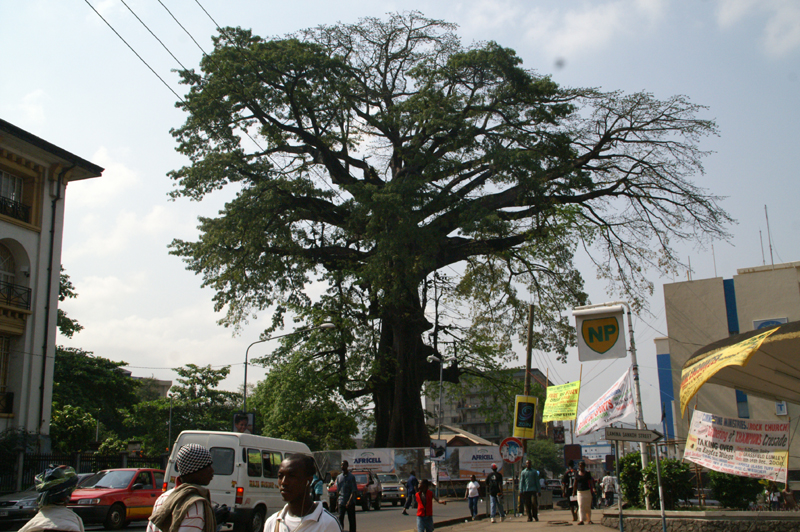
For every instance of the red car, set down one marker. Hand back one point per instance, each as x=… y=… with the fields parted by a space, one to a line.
x=368 y=494
x=115 y=497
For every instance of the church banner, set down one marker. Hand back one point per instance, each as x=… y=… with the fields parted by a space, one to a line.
x=562 y=402
x=744 y=447
x=615 y=404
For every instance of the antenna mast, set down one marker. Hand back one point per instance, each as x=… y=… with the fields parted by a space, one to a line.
x=769 y=238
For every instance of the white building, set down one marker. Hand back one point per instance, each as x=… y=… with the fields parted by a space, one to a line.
x=33 y=181
x=703 y=311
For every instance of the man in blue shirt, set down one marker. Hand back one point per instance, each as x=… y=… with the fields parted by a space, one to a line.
x=530 y=489
x=346 y=487
x=411 y=490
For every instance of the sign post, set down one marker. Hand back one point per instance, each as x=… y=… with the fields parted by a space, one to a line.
x=643 y=436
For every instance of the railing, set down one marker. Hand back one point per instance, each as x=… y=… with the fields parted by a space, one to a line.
x=15 y=295
x=15 y=209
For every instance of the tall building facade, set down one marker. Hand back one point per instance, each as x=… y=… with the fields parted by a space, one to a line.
x=33 y=181
x=706 y=310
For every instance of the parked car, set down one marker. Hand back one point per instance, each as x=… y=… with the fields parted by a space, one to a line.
x=393 y=490
x=115 y=497
x=554 y=485
x=16 y=509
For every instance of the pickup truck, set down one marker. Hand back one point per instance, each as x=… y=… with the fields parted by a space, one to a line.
x=393 y=490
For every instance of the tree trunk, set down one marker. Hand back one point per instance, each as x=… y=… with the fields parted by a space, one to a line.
x=401 y=369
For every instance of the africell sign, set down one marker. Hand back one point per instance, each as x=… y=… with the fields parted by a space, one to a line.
x=380 y=460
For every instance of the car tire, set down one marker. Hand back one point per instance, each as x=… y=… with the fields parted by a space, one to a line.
x=115 y=518
x=365 y=505
x=378 y=502
x=257 y=522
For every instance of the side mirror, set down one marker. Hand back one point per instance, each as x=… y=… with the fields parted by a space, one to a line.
x=137 y=487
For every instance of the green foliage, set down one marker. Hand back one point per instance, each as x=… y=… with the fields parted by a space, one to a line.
x=112 y=445
x=384 y=152
x=291 y=404
x=546 y=454
x=733 y=491
x=675 y=480
x=66 y=325
x=71 y=428
x=94 y=384
x=631 y=477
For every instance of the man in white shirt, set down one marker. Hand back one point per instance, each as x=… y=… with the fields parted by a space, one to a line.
x=608 y=489
x=187 y=507
x=301 y=511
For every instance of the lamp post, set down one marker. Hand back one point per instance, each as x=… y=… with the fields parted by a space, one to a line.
x=441 y=361
x=326 y=325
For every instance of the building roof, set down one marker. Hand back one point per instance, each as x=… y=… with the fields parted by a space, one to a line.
x=457 y=437
x=24 y=141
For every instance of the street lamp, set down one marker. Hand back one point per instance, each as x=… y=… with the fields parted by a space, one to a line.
x=326 y=325
x=441 y=361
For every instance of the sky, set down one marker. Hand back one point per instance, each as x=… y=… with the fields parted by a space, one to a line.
x=68 y=78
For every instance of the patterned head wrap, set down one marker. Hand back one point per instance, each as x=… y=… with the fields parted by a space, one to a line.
x=55 y=485
x=191 y=458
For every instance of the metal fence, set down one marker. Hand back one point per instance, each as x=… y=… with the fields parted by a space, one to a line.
x=33 y=464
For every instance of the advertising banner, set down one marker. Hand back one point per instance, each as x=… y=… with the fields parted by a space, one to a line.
x=379 y=460
x=694 y=375
x=745 y=447
x=438 y=450
x=600 y=333
x=478 y=460
x=615 y=404
x=525 y=417
x=561 y=402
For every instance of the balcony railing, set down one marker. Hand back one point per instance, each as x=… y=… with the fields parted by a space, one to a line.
x=15 y=295
x=15 y=209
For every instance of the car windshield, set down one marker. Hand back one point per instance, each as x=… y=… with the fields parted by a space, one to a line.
x=361 y=479
x=110 y=479
x=388 y=478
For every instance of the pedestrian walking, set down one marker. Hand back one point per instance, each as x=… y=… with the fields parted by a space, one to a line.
x=567 y=488
x=55 y=485
x=346 y=487
x=609 y=488
x=530 y=489
x=295 y=478
x=494 y=487
x=584 y=490
x=425 y=498
x=411 y=490
x=187 y=507
x=472 y=495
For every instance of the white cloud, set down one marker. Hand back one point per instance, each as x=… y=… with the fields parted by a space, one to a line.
x=116 y=181
x=591 y=27
x=781 y=33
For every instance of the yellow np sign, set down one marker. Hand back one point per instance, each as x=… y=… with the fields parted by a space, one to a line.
x=600 y=334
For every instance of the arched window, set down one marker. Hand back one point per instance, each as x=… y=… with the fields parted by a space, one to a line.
x=7 y=265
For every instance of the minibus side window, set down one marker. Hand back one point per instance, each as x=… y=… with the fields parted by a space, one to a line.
x=272 y=462
x=253 y=463
x=222 y=459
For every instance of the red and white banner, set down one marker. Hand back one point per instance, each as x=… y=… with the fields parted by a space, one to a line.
x=613 y=405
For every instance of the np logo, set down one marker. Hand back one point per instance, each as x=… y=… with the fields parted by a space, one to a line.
x=600 y=334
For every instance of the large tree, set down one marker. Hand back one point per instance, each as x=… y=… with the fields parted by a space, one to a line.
x=380 y=156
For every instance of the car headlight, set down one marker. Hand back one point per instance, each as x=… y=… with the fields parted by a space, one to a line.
x=402 y=488
x=28 y=503
x=89 y=501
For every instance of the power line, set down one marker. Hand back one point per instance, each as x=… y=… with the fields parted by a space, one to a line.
x=153 y=34
x=135 y=52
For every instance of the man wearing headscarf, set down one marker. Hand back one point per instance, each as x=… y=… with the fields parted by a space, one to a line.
x=55 y=485
x=187 y=507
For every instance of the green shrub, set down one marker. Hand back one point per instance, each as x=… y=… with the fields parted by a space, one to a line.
x=630 y=477
x=675 y=481
x=733 y=491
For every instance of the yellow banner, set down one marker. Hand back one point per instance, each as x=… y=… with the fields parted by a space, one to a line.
x=561 y=402
x=525 y=417
x=695 y=375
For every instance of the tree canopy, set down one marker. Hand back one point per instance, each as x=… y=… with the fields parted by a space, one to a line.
x=399 y=168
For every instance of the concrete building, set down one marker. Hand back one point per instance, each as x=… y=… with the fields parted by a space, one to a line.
x=477 y=411
x=34 y=175
x=703 y=311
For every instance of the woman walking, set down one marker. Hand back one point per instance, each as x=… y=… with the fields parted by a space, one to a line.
x=472 y=495
x=584 y=489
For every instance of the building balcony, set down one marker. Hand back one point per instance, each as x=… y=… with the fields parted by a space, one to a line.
x=15 y=209
x=14 y=295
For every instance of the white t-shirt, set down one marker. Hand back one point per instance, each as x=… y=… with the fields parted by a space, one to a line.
x=319 y=520
x=195 y=518
x=473 y=488
x=54 y=517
